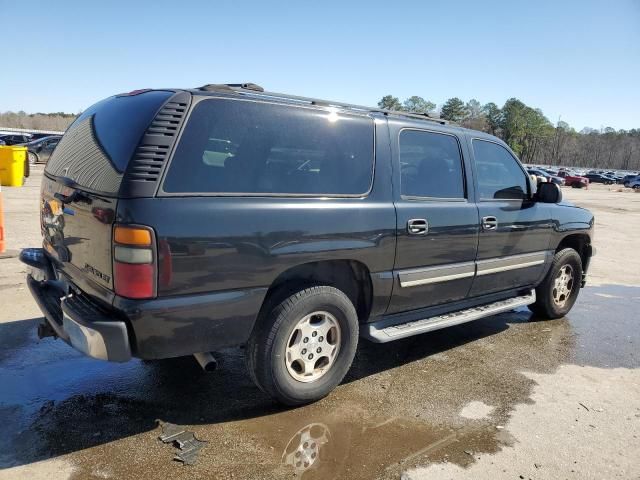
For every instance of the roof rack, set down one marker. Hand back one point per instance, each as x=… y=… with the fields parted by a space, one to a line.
x=231 y=86
x=253 y=89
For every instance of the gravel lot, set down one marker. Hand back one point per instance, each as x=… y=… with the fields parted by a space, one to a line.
x=504 y=397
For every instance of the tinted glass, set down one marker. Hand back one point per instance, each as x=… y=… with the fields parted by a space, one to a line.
x=430 y=165
x=120 y=121
x=499 y=175
x=231 y=146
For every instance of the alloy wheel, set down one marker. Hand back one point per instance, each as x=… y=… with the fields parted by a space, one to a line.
x=313 y=346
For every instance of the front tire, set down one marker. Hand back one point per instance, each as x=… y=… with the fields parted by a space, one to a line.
x=559 y=290
x=33 y=157
x=303 y=347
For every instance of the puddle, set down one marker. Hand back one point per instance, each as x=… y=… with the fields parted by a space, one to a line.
x=433 y=398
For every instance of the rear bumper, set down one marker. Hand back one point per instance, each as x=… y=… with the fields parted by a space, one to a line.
x=149 y=329
x=80 y=323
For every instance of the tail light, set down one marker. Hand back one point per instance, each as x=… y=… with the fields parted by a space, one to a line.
x=134 y=262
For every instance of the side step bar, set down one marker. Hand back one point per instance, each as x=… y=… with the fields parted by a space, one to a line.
x=395 y=332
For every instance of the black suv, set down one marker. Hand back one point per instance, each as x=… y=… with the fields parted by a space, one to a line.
x=179 y=222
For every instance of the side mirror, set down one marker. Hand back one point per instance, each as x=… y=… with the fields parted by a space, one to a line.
x=548 y=193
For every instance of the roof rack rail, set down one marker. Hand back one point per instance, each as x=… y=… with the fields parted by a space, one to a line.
x=422 y=116
x=231 y=86
x=252 y=89
x=328 y=103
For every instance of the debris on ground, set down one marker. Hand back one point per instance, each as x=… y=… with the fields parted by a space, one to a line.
x=186 y=442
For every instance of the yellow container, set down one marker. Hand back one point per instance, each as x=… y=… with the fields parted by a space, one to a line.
x=12 y=162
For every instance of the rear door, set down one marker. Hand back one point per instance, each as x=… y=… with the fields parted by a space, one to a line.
x=81 y=184
x=437 y=225
x=515 y=232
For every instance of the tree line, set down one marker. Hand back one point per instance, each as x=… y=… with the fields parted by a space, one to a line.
x=525 y=129
x=531 y=135
x=58 y=121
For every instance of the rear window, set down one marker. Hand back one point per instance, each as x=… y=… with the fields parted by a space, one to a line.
x=245 y=147
x=96 y=148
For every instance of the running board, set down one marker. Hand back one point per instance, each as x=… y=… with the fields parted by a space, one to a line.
x=395 y=332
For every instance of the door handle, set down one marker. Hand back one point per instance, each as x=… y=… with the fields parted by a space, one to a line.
x=417 y=226
x=489 y=223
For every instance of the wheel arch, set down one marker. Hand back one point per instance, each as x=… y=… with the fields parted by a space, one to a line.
x=581 y=243
x=350 y=276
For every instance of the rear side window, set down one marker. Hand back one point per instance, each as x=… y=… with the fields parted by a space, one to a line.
x=244 y=147
x=499 y=175
x=96 y=148
x=430 y=165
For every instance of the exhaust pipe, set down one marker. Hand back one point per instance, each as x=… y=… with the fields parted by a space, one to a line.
x=206 y=361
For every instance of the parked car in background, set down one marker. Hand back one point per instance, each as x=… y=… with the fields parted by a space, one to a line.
x=40 y=150
x=550 y=178
x=573 y=180
x=37 y=136
x=635 y=184
x=628 y=179
x=599 y=178
x=616 y=179
x=14 y=139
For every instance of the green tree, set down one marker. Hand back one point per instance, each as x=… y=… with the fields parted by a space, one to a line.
x=524 y=129
x=474 y=109
x=475 y=117
x=494 y=117
x=417 y=104
x=389 y=102
x=453 y=110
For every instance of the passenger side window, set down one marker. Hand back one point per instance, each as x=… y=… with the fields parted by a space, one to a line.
x=246 y=147
x=499 y=175
x=430 y=165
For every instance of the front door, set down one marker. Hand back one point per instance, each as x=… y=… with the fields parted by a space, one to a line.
x=515 y=232
x=437 y=225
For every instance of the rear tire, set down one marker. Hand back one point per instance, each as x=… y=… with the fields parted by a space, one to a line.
x=559 y=290
x=33 y=157
x=320 y=321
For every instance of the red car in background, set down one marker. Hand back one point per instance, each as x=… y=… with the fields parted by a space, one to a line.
x=575 y=181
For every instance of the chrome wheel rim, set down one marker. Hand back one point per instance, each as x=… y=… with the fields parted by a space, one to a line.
x=313 y=346
x=563 y=285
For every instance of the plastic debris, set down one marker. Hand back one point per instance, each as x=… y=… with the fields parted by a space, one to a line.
x=186 y=442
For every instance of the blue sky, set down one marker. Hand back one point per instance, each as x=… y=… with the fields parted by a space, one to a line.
x=575 y=59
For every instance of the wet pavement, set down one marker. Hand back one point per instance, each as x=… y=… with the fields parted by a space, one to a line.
x=432 y=398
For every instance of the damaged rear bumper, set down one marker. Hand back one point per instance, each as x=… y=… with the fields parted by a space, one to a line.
x=74 y=318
